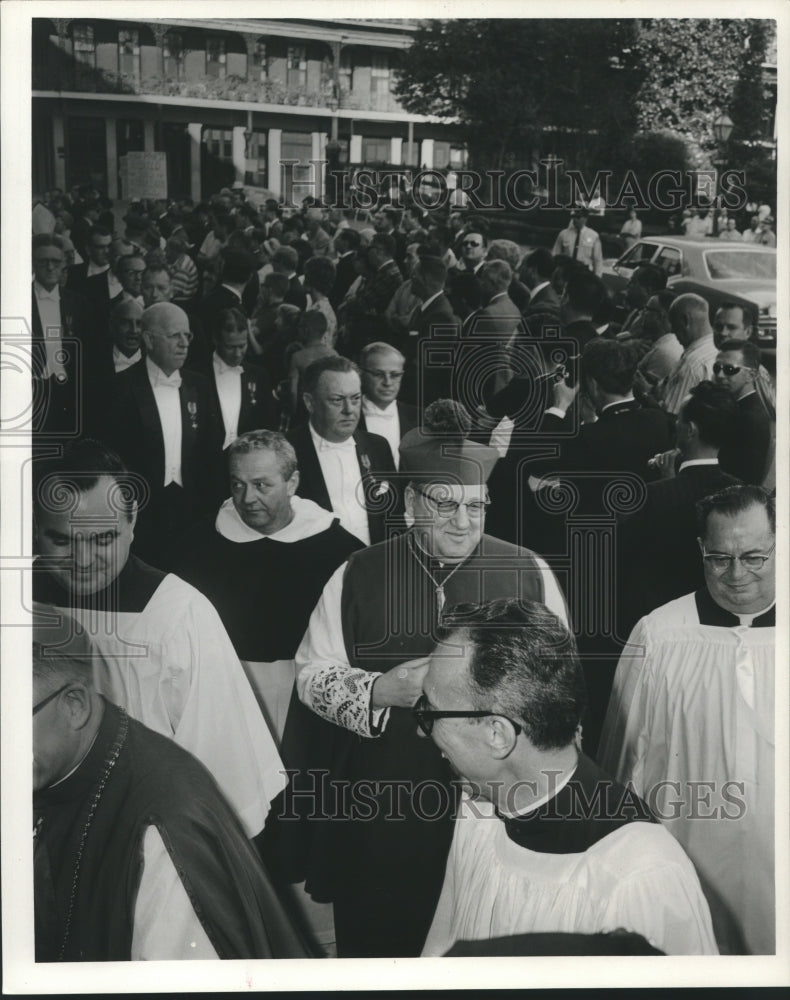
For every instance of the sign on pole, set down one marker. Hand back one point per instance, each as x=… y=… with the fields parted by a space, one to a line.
x=144 y=175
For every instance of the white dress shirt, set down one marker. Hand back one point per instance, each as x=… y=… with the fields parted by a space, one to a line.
x=122 y=362
x=168 y=404
x=340 y=469
x=228 y=382
x=95 y=269
x=48 y=304
x=114 y=287
x=385 y=422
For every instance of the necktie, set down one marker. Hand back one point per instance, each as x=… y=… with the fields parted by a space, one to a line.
x=576 y=244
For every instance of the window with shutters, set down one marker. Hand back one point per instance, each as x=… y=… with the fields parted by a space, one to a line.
x=296 y=66
x=216 y=58
x=129 y=52
x=173 y=51
x=259 y=60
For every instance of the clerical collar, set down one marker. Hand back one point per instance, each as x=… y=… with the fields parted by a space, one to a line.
x=588 y=807
x=129 y=592
x=711 y=613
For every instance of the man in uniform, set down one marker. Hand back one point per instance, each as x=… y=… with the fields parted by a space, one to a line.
x=361 y=665
x=581 y=243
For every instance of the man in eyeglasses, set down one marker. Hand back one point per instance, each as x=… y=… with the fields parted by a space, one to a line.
x=691 y=717
x=545 y=841
x=162 y=422
x=746 y=454
x=465 y=291
x=361 y=665
x=382 y=412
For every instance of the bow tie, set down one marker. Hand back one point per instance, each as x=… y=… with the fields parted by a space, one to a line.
x=348 y=445
x=169 y=381
x=223 y=369
x=53 y=296
x=374 y=411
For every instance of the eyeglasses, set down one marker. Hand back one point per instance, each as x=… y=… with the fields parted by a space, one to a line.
x=720 y=563
x=50 y=697
x=727 y=369
x=381 y=375
x=426 y=716
x=449 y=508
x=471 y=243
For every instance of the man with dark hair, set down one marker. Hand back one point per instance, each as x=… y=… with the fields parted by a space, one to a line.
x=693 y=708
x=748 y=453
x=387 y=222
x=463 y=286
x=657 y=550
x=360 y=666
x=502 y=699
x=98 y=262
x=162 y=869
x=580 y=243
x=364 y=312
x=646 y=281
x=160 y=650
x=285 y=260
x=423 y=382
x=131 y=268
x=346 y=245
x=536 y=271
x=238 y=266
x=342 y=468
x=580 y=302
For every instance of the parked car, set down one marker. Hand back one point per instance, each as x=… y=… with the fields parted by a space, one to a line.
x=719 y=271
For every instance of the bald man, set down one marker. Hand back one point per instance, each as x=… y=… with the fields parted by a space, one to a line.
x=690 y=322
x=162 y=422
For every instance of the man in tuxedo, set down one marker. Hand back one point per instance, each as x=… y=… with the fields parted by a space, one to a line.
x=242 y=392
x=285 y=261
x=428 y=280
x=346 y=245
x=746 y=453
x=382 y=412
x=364 y=313
x=63 y=344
x=97 y=265
x=343 y=468
x=163 y=424
x=657 y=551
x=386 y=222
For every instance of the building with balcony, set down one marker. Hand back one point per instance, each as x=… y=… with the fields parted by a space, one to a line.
x=227 y=100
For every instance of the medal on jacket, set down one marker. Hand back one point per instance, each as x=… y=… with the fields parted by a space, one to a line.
x=364 y=461
x=192 y=411
x=252 y=389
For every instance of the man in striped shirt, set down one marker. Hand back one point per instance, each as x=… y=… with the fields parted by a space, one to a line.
x=688 y=316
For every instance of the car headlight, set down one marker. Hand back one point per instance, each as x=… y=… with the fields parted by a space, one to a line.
x=769 y=311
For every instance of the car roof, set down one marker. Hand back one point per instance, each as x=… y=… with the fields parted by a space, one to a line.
x=712 y=244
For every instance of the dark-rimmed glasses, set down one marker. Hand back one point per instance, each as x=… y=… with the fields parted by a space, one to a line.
x=50 y=697
x=426 y=716
x=449 y=508
x=720 y=563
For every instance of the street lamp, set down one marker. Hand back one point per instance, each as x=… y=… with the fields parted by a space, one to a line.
x=722 y=130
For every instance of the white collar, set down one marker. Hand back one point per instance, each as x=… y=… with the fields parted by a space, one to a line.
x=321 y=444
x=370 y=409
x=230 y=288
x=697 y=461
x=618 y=402
x=309 y=519
x=538 y=288
x=42 y=293
x=433 y=298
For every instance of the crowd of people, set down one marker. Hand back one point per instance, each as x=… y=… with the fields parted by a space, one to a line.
x=396 y=592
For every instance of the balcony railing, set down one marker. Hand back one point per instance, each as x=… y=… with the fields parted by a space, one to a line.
x=82 y=78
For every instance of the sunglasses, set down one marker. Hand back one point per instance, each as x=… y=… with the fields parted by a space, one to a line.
x=426 y=716
x=727 y=369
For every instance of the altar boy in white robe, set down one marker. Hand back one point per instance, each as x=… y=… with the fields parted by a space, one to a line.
x=545 y=841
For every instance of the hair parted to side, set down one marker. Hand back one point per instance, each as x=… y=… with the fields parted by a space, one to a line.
x=712 y=408
x=523 y=663
x=748 y=351
x=313 y=372
x=734 y=500
x=272 y=441
x=59 y=482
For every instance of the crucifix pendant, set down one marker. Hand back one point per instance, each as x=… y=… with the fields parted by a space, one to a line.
x=440 y=599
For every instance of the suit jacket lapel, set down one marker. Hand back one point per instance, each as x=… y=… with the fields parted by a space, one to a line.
x=310 y=469
x=151 y=429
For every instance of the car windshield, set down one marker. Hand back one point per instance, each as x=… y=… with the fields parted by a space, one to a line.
x=740 y=264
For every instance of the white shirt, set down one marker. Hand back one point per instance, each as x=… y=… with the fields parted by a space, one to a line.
x=228 y=382
x=538 y=288
x=114 y=287
x=48 y=304
x=697 y=461
x=96 y=269
x=168 y=404
x=340 y=469
x=427 y=302
x=385 y=422
x=121 y=362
